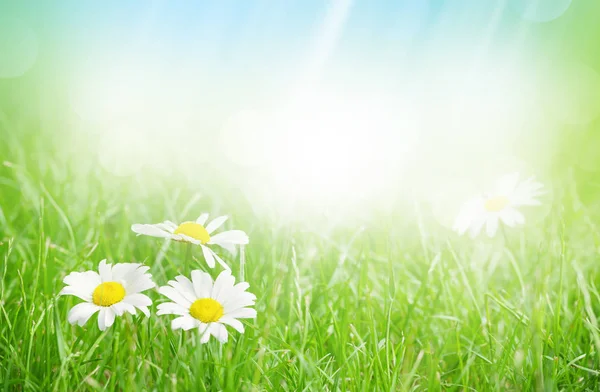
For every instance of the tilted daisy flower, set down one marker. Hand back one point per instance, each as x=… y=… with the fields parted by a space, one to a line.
x=207 y=306
x=111 y=292
x=197 y=233
x=499 y=205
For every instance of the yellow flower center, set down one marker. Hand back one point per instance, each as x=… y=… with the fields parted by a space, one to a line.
x=206 y=310
x=495 y=204
x=193 y=230
x=108 y=293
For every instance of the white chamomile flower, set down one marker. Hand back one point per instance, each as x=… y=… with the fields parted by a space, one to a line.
x=499 y=205
x=198 y=234
x=207 y=306
x=111 y=291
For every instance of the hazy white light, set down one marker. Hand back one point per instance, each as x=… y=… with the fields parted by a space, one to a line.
x=475 y=108
x=105 y=92
x=246 y=138
x=446 y=195
x=18 y=48
x=140 y=113
x=340 y=147
x=540 y=10
x=324 y=144
x=124 y=150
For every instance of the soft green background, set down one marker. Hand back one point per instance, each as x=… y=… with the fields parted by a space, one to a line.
x=380 y=297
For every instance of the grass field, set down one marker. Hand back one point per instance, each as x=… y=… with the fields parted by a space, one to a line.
x=381 y=302
x=340 y=136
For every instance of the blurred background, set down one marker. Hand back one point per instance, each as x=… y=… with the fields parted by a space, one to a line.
x=343 y=137
x=303 y=108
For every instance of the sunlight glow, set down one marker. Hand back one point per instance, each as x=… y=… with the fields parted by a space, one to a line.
x=334 y=146
x=327 y=144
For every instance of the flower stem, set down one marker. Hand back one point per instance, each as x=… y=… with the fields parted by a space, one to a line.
x=242 y=262
x=188 y=254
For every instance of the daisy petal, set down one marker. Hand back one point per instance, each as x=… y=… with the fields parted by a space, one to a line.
x=208 y=256
x=491 y=226
x=184 y=286
x=463 y=220
x=121 y=271
x=237 y=237
x=170 y=224
x=84 y=294
x=138 y=300
x=507 y=217
x=189 y=239
x=203 y=283
x=185 y=283
x=220 y=260
x=461 y=224
x=527 y=192
x=476 y=226
x=507 y=184
x=165 y=227
x=233 y=323
x=215 y=224
x=174 y=296
x=468 y=213
x=105 y=271
x=184 y=322
x=81 y=313
x=144 y=309
x=518 y=217
x=237 y=302
x=139 y=284
x=204 y=333
x=242 y=286
x=106 y=318
x=135 y=273
x=219 y=331
x=122 y=307
x=526 y=202
x=223 y=283
x=187 y=292
x=202 y=219
x=229 y=247
x=242 y=313
x=150 y=230
x=83 y=279
x=171 y=308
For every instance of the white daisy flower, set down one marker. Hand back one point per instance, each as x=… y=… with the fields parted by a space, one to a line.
x=207 y=306
x=198 y=234
x=111 y=291
x=500 y=205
